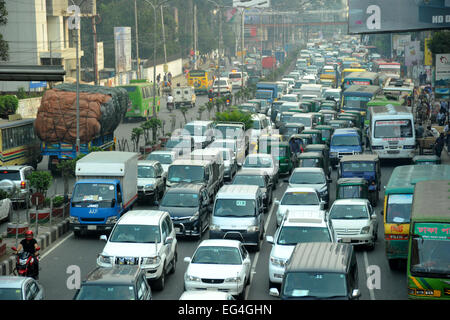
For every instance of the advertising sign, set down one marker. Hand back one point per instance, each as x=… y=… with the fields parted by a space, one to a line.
x=122 y=45
x=251 y=4
x=369 y=16
x=100 y=56
x=428 y=59
x=443 y=67
x=412 y=53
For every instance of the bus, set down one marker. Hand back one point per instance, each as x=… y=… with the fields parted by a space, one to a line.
x=141 y=99
x=361 y=78
x=388 y=69
x=18 y=143
x=201 y=80
x=391 y=132
x=398 y=200
x=428 y=264
x=347 y=71
x=356 y=97
x=402 y=89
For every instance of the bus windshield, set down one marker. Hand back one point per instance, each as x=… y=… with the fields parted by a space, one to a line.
x=393 y=129
x=356 y=103
x=399 y=208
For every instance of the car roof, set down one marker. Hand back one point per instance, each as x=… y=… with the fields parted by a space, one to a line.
x=300 y=189
x=304 y=169
x=300 y=217
x=171 y=152
x=204 y=295
x=199 y=122
x=12 y=281
x=345 y=131
x=186 y=188
x=142 y=217
x=117 y=274
x=147 y=162
x=252 y=172
x=219 y=242
x=14 y=167
x=360 y=157
x=350 y=201
x=232 y=191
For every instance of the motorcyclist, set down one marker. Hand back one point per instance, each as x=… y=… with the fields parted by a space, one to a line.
x=30 y=245
x=210 y=94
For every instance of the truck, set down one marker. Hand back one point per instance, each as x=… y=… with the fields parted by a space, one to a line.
x=236 y=131
x=262 y=89
x=101 y=111
x=205 y=172
x=184 y=95
x=105 y=189
x=269 y=62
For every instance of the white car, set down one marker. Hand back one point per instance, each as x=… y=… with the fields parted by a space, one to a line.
x=300 y=198
x=165 y=158
x=222 y=84
x=201 y=131
x=265 y=162
x=5 y=209
x=206 y=295
x=238 y=152
x=312 y=178
x=222 y=265
x=146 y=238
x=297 y=227
x=355 y=221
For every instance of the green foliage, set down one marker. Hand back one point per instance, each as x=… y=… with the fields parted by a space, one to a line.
x=67 y=167
x=235 y=116
x=8 y=104
x=440 y=42
x=21 y=93
x=4 y=47
x=58 y=201
x=136 y=134
x=40 y=181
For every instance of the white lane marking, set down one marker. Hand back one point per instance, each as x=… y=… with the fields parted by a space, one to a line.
x=56 y=246
x=255 y=261
x=366 y=264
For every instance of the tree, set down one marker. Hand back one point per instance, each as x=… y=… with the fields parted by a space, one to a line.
x=67 y=168
x=440 y=43
x=4 y=47
x=136 y=134
x=235 y=116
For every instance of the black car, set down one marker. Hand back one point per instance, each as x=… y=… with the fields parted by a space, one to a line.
x=120 y=282
x=189 y=207
x=257 y=178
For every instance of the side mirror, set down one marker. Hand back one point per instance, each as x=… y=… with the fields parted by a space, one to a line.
x=187 y=259
x=210 y=208
x=339 y=240
x=382 y=212
x=168 y=240
x=274 y=292
x=322 y=205
x=277 y=202
x=156 y=203
x=104 y=238
x=113 y=203
x=373 y=216
x=269 y=239
x=356 y=293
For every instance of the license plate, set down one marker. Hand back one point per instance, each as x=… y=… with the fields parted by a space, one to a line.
x=347 y=240
x=92 y=227
x=393 y=151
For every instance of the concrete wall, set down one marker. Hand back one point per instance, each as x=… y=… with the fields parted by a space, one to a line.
x=28 y=107
x=175 y=68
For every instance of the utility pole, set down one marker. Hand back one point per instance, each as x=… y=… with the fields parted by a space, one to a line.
x=94 y=31
x=164 y=39
x=195 y=36
x=242 y=48
x=138 y=73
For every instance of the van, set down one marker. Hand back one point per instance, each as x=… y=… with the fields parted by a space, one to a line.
x=238 y=214
x=344 y=142
x=320 y=270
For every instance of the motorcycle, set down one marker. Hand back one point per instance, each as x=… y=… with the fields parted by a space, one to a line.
x=26 y=264
x=170 y=106
x=228 y=102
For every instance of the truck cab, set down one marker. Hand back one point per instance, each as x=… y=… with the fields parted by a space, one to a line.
x=344 y=142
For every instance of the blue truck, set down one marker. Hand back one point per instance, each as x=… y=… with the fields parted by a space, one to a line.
x=105 y=189
x=344 y=142
x=264 y=88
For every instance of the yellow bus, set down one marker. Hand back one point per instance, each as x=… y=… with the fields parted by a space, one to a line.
x=347 y=71
x=18 y=143
x=201 y=80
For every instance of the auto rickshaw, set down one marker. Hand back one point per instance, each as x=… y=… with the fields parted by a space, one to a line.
x=365 y=166
x=288 y=129
x=307 y=106
x=307 y=138
x=329 y=105
x=266 y=140
x=426 y=159
x=313 y=160
x=350 y=188
x=315 y=105
x=325 y=150
x=316 y=135
x=327 y=132
x=355 y=122
x=297 y=144
x=287 y=159
x=318 y=118
x=328 y=115
x=337 y=124
x=357 y=114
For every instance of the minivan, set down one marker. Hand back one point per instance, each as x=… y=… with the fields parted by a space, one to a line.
x=238 y=214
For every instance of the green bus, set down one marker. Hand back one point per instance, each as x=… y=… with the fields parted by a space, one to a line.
x=428 y=267
x=141 y=99
x=356 y=97
x=398 y=200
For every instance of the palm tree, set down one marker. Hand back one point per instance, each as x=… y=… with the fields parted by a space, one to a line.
x=183 y=111
x=209 y=107
x=136 y=134
x=200 y=112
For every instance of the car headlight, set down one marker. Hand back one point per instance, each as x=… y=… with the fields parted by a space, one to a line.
x=149 y=186
x=111 y=220
x=104 y=259
x=214 y=227
x=150 y=260
x=73 y=219
x=334 y=154
x=194 y=217
x=278 y=261
x=188 y=277
x=365 y=230
x=253 y=229
x=233 y=279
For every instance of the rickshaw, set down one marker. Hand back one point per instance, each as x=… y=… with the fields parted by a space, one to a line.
x=297 y=144
x=337 y=124
x=307 y=138
x=350 y=188
x=325 y=150
x=328 y=115
x=327 y=132
x=318 y=118
x=365 y=166
x=312 y=160
x=316 y=135
x=288 y=129
x=275 y=110
x=426 y=159
x=287 y=159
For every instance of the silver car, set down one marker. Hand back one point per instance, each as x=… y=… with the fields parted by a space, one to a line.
x=20 y=288
x=312 y=178
x=265 y=162
x=18 y=175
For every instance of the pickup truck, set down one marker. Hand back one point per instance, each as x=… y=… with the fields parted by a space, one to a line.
x=105 y=189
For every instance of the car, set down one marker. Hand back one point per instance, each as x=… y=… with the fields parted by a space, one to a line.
x=206 y=295
x=151 y=180
x=222 y=84
x=20 y=288
x=265 y=162
x=146 y=238
x=261 y=125
x=121 y=282
x=18 y=175
x=297 y=227
x=314 y=178
x=355 y=221
x=201 y=131
x=188 y=206
x=299 y=198
x=6 y=208
x=165 y=158
x=238 y=153
x=257 y=178
x=344 y=141
x=219 y=264
x=181 y=145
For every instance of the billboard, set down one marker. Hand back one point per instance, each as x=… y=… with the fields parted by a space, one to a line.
x=251 y=3
x=412 y=53
x=370 y=16
x=122 y=46
x=443 y=67
x=428 y=58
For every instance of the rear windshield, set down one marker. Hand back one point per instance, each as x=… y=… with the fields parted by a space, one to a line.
x=10 y=175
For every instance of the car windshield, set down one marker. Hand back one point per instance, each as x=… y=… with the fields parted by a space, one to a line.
x=234 y=208
x=393 y=129
x=302 y=120
x=182 y=143
x=291 y=235
x=10 y=294
x=162 y=158
x=234 y=76
x=350 y=212
x=250 y=180
x=309 y=163
x=263 y=95
x=188 y=173
x=146 y=172
x=345 y=141
x=300 y=199
x=256 y=125
x=399 y=208
x=217 y=255
x=314 y=285
x=195 y=130
x=359 y=166
x=93 y=192
x=106 y=292
x=135 y=233
x=289 y=99
x=13 y=175
x=223 y=144
x=175 y=199
x=258 y=162
x=307 y=178
x=228 y=132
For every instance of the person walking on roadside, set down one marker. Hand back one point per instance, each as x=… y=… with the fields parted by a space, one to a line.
x=439 y=145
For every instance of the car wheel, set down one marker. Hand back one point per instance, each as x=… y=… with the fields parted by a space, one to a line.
x=161 y=281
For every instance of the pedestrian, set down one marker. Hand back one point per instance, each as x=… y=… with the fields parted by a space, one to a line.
x=441 y=117
x=420 y=130
x=158 y=78
x=439 y=144
x=169 y=77
x=447 y=135
x=165 y=78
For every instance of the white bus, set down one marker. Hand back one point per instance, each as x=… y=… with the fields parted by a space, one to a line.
x=391 y=132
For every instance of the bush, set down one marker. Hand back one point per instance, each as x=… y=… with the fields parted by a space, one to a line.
x=235 y=116
x=8 y=105
x=40 y=181
x=58 y=201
